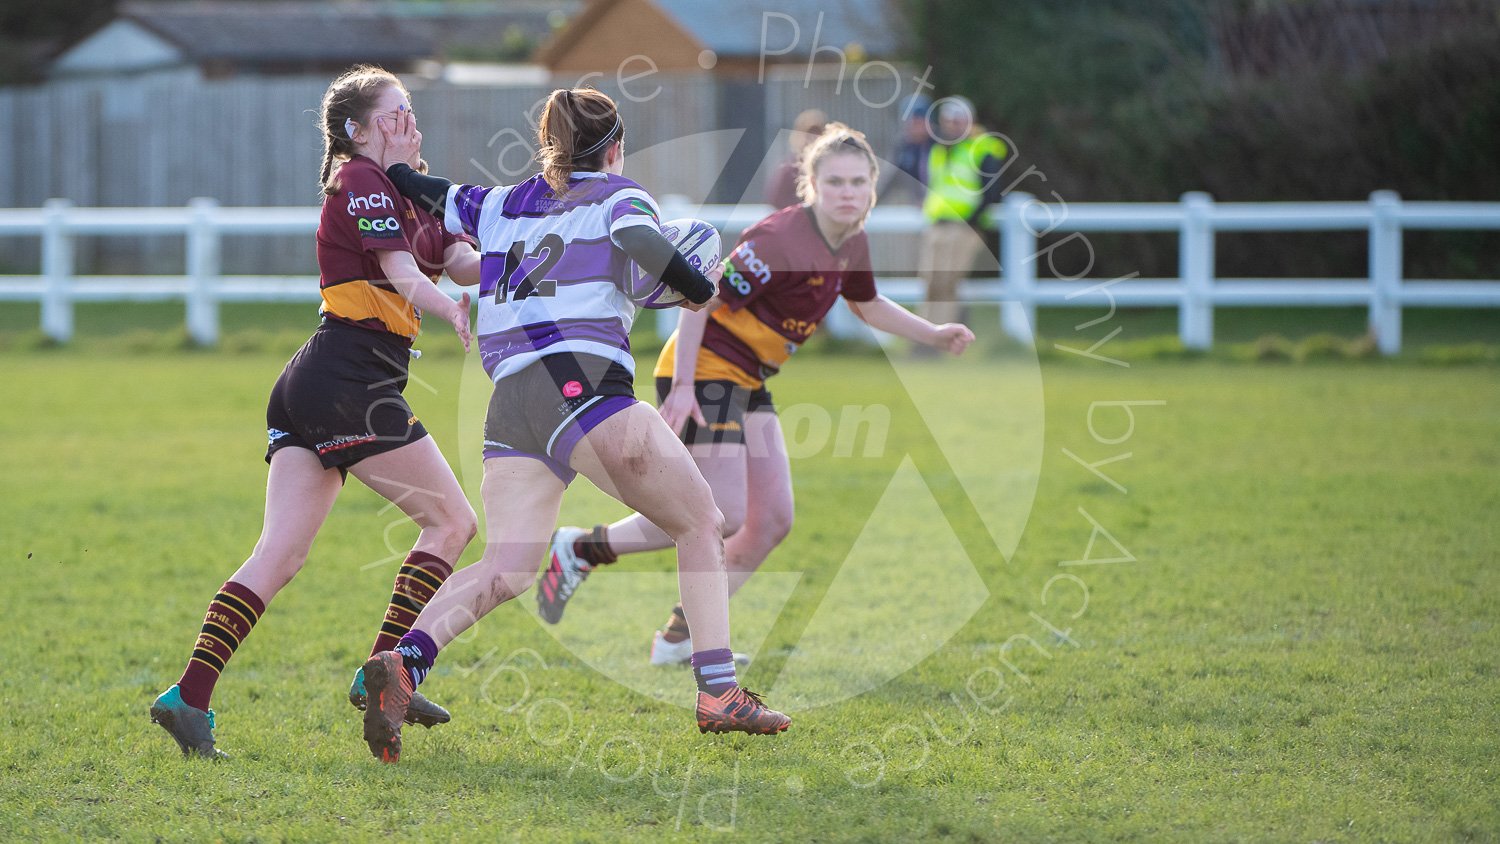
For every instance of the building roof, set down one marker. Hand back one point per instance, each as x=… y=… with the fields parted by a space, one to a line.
x=732 y=28
x=299 y=32
x=278 y=32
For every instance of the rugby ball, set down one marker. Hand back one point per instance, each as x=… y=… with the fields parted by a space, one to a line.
x=697 y=241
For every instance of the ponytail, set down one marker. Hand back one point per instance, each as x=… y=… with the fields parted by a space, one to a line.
x=577 y=127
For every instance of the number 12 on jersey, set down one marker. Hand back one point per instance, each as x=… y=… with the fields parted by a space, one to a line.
x=524 y=274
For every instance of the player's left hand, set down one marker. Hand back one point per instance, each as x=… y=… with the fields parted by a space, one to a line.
x=714 y=273
x=403 y=143
x=953 y=338
x=459 y=318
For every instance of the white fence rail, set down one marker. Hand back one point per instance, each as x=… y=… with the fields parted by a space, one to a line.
x=1196 y=292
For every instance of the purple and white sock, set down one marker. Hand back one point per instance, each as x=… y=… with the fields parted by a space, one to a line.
x=418 y=653
x=714 y=671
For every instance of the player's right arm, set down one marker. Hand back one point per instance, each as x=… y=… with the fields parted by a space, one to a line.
x=639 y=237
x=402 y=272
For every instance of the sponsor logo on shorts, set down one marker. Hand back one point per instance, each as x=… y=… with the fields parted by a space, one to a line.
x=815 y=281
x=274 y=434
x=369 y=203
x=724 y=426
x=412 y=421
x=572 y=389
x=339 y=443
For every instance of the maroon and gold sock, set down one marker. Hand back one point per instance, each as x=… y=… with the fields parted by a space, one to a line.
x=420 y=577
x=593 y=547
x=677 y=626
x=230 y=616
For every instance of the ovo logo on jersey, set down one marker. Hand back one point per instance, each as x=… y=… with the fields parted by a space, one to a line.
x=369 y=203
x=389 y=224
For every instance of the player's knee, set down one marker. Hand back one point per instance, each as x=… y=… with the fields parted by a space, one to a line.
x=714 y=520
x=455 y=525
x=775 y=526
x=278 y=561
x=732 y=518
x=463 y=524
x=694 y=514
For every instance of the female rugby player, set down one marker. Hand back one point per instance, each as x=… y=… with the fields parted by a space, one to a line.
x=338 y=406
x=554 y=327
x=779 y=282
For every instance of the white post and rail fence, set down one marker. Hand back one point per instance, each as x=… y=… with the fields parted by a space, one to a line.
x=1196 y=293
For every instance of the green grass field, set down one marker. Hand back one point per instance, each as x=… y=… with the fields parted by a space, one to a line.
x=1303 y=648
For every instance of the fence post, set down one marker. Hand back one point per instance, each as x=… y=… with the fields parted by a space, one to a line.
x=57 y=267
x=1018 y=269
x=203 y=273
x=1195 y=316
x=1385 y=270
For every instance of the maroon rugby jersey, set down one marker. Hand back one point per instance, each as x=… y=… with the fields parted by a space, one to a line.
x=367 y=216
x=779 y=282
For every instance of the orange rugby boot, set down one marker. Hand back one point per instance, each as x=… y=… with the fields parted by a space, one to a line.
x=739 y=710
x=389 y=690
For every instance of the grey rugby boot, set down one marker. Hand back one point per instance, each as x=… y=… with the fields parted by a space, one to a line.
x=192 y=728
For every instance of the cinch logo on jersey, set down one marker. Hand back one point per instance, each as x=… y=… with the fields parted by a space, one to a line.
x=745 y=256
x=369 y=203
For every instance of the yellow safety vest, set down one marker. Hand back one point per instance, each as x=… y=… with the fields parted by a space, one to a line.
x=955 y=186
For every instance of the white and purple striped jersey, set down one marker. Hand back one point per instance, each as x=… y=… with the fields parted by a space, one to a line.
x=552 y=277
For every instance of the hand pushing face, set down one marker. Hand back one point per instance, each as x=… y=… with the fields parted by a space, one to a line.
x=390 y=134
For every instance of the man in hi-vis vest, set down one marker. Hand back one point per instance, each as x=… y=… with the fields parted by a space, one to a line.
x=963 y=181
